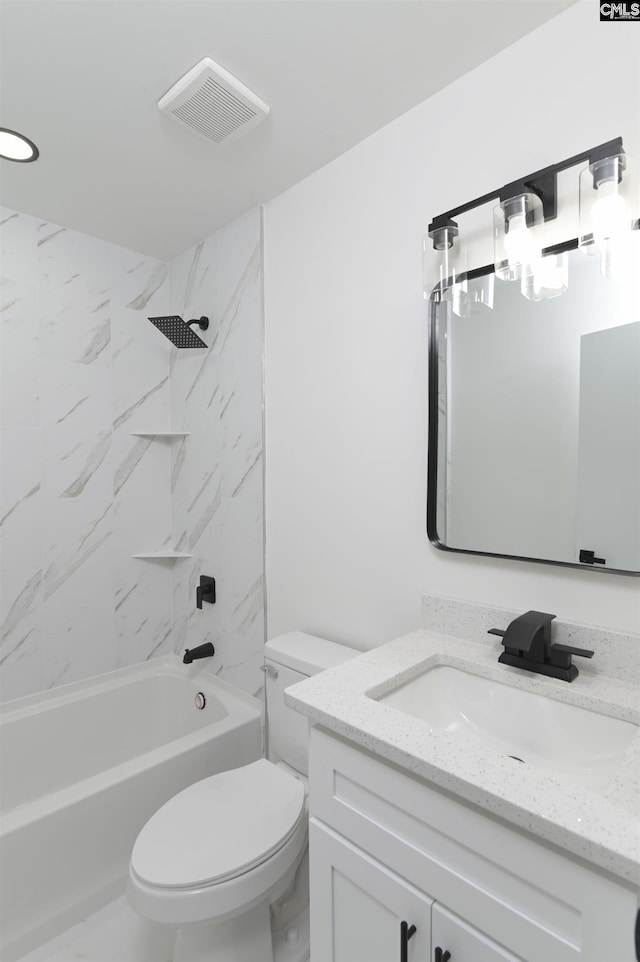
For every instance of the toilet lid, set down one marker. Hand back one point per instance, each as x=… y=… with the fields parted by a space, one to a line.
x=219 y=827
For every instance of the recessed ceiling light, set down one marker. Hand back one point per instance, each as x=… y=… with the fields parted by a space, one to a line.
x=14 y=146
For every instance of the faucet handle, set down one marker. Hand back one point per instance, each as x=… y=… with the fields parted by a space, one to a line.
x=497 y=631
x=206 y=591
x=570 y=650
x=560 y=657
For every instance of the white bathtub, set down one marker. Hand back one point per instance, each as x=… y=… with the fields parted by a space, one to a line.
x=84 y=767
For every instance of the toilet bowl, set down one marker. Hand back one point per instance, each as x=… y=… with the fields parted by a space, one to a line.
x=217 y=856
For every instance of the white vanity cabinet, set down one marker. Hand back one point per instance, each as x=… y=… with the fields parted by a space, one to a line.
x=359 y=905
x=462 y=942
x=387 y=847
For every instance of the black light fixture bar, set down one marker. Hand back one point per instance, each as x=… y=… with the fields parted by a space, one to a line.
x=541 y=182
x=560 y=248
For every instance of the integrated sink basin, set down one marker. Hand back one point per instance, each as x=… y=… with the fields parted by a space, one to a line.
x=582 y=746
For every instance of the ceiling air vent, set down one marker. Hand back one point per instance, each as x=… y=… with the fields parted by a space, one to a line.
x=210 y=102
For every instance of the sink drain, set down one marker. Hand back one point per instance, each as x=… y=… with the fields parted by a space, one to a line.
x=516 y=759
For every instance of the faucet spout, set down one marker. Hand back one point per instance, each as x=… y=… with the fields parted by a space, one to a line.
x=530 y=635
x=202 y=651
x=527 y=644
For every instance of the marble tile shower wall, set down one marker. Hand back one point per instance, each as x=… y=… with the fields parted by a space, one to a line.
x=81 y=368
x=217 y=484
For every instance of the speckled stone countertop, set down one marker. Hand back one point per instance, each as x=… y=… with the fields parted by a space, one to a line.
x=601 y=827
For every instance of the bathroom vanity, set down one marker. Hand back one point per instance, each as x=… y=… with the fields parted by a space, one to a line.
x=429 y=837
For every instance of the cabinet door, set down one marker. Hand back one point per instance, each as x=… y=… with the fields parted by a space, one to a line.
x=358 y=906
x=464 y=943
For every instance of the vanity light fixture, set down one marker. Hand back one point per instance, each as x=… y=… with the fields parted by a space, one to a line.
x=443 y=232
x=15 y=146
x=516 y=235
x=607 y=189
x=549 y=279
x=609 y=210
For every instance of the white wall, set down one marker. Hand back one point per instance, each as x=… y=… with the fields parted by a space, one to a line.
x=346 y=340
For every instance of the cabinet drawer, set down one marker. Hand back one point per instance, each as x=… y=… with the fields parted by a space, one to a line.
x=529 y=897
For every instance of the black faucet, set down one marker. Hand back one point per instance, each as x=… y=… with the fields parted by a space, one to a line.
x=527 y=644
x=202 y=651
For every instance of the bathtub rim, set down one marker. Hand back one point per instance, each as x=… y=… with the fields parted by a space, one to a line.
x=163 y=664
x=239 y=705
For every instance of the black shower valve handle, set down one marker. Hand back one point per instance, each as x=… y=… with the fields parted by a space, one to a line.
x=206 y=591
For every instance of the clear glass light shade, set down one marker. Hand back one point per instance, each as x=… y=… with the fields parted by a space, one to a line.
x=472 y=297
x=516 y=227
x=609 y=211
x=444 y=261
x=549 y=279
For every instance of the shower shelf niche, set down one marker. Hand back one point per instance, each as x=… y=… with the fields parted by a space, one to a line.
x=160 y=434
x=167 y=555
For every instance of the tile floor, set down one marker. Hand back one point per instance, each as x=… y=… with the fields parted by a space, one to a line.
x=116 y=934
x=113 y=934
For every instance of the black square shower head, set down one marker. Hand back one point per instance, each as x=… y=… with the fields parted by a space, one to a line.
x=179 y=332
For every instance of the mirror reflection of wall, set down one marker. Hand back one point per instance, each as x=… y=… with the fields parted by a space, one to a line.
x=607 y=513
x=511 y=425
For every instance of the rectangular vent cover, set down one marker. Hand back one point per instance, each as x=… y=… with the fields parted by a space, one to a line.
x=210 y=102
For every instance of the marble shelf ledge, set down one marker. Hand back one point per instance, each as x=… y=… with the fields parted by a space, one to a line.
x=160 y=434
x=169 y=555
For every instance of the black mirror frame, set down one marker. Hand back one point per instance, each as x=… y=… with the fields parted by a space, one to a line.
x=432 y=447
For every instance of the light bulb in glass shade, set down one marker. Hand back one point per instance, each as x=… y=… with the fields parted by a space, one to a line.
x=516 y=224
x=519 y=243
x=609 y=205
x=610 y=215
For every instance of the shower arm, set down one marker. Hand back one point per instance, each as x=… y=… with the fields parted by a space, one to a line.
x=203 y=323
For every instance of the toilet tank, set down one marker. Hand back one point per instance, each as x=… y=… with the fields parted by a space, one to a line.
x=292 y=658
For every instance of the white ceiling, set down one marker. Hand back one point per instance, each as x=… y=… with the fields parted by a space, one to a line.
x=82 y=77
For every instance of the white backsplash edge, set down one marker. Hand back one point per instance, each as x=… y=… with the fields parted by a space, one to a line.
x=617 y=654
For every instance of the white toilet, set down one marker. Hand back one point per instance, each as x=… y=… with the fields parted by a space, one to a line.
x=220 y=859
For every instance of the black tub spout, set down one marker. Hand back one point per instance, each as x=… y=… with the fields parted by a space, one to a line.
x=202 y=651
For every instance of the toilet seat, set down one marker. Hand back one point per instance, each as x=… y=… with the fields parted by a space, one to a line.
x=219 y=828
x=242 y=854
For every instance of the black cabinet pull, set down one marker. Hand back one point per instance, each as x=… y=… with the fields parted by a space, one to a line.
x=441 y=956
x=637 y=935
x=406 y=932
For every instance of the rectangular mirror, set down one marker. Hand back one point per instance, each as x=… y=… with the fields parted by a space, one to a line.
x=534 y=422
